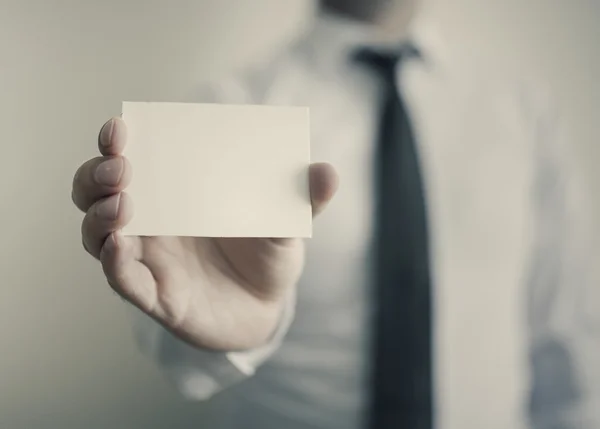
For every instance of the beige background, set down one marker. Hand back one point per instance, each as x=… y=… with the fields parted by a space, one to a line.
x=67 y=359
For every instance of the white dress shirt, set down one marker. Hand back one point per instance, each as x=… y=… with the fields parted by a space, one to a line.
x=509 y=260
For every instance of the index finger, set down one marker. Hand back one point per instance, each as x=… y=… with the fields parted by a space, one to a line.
x=112 y=137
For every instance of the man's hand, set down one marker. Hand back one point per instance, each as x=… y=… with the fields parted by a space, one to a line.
x=216 y=293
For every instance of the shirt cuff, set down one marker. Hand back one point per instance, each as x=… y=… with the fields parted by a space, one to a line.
x=199 y=374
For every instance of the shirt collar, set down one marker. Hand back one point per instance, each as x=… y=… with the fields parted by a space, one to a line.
x=334 y=38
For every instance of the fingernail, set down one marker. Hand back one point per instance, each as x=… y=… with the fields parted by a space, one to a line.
x=106 y=133
x=109 y=245
x=109 y=208
x=109 y=172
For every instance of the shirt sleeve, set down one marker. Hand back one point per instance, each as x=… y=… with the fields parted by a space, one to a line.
x=200 y=374
x=563 y=313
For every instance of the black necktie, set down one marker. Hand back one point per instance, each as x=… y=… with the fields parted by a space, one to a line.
x=402 y=359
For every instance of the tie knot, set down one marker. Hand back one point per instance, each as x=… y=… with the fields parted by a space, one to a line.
x=384 y=62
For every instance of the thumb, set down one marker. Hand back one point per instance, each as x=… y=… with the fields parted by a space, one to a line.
x=323 y=182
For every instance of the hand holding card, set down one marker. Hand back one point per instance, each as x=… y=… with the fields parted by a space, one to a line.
x=218 y=293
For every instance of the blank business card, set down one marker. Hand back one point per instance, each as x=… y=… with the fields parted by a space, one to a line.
x=210 y=170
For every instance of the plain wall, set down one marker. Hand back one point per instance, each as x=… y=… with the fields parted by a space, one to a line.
x=67 y=358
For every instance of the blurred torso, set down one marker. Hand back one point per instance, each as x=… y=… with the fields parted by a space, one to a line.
x=470 y=136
